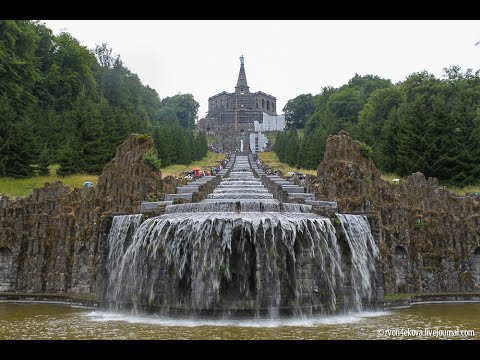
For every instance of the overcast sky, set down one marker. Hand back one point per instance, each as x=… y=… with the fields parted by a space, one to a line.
x=282 y=58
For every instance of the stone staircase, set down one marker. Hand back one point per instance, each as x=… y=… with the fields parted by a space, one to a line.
x=186 y=192
x=294 y=191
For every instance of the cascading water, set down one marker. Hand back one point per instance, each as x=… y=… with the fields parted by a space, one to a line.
x=240 y=250
x=364 y=254
x=119 y=239
x=248 y=205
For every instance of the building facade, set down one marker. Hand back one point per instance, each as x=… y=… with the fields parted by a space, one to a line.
x=239 y=110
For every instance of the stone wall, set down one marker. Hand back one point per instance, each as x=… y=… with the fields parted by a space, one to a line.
x=277 y=190
x=50 y=240
x=429 y=237
x=53 y=240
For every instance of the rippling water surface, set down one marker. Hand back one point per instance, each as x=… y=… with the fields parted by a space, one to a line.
x=55 y=321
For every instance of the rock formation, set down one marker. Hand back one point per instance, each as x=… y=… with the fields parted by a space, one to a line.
x=54 y=240
x=50 y=240
x=430 y=238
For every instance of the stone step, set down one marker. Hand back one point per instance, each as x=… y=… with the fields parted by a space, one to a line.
x=187 y=189
x=204 y=179
x=151 y=205
x=326 y=204
x=292 y=189
x=306 y=196
x=198 y=182
x=186 y=196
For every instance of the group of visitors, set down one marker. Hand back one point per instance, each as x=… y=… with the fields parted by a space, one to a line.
x=218 y=168
x=196 y=173
x=301 y=177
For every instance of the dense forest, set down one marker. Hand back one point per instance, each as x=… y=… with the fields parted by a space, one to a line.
x=63 y=103
x=422 y=124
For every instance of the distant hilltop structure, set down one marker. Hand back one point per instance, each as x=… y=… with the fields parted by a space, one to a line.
x=242 y=113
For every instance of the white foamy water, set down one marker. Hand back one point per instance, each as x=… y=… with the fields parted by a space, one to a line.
x=240 y=249
x=106 y=316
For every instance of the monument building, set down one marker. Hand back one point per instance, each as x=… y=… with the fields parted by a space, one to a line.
x=238 y=111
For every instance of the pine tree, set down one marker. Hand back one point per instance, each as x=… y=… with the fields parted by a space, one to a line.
x=292 y=148
x=69 y=158
x=21 y=153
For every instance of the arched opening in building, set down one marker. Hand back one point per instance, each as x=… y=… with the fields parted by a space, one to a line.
x=268 y=104
x=476 y=266
x=6 y=268
x=263 y=104
x=400 y=268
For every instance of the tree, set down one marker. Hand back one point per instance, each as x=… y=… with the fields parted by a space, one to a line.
x=21 y=151
x=297 y=110
x=342 y=110
x=167 y=115
x=69 y=158
x=381 y=106
x=19 y=71
x=415 y=118
x=367 y=84
x=61 y=102
x=318 y=116
x=385 y=153
x=292 y=148
x=185 y=108
x=7 y=118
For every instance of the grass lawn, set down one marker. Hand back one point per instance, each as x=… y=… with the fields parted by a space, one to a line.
x=213 y=138
x=467 y=189
x=390 y=177
x=454 y=189
x=22 y=187
x=211 y=159
x=270 y=159
x=400 y=296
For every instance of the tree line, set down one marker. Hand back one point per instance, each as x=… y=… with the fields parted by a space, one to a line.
x=63 y=103
x=424 y=123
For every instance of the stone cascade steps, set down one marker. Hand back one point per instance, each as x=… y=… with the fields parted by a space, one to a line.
x=190 y=188
x=306 y=196
x=295 y=192
x=152 y=205
x=291 y=188
x=185 y=196
x=251 y=186
x=323 y=205
x=184 y=192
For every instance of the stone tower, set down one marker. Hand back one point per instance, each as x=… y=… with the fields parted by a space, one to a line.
x=242 y=85
x=237 y=111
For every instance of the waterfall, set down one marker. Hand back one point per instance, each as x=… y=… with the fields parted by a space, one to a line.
x=229 y=205
x=119 y=239
x=364 y=253
x=200 y=261
x=240 y=195
x=240 y=250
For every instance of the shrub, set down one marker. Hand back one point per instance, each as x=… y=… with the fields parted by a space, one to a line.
x=143 y=137
x=150 y=158
x=420 y=225
x=367 y=151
